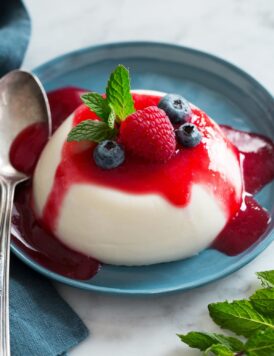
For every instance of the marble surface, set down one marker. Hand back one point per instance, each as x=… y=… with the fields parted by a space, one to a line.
x=241 y=31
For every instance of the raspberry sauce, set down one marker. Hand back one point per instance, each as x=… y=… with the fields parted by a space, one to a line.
x=27 y=147
x=247 y=219
x=31 y=237
x=27 y=233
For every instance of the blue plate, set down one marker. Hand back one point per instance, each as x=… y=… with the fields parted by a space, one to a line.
x=225 y=92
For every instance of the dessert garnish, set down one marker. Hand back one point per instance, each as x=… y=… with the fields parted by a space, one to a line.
x=108 y=154
x=113 y=109
x=176 y=107
x=147 y=133
x=251 y=318
x=188 y=135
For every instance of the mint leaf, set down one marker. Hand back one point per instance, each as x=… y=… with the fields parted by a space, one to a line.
x=261 y=343
x=252 y=318
x=91 y=130
x=118 y=92
x=203 y=341
x=118 y=105
x=111 y=117
x=239 y=316
x=97 y=104
x=263 y=301
x=219 y=350
x=267 y=278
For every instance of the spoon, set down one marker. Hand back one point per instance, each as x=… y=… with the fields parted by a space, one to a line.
x=23 y=102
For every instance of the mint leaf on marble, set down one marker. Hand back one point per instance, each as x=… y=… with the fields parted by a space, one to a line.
x=260 y=344
x=267 y=278
x=263 y=301
x=252 y=318
x=204 y=341
x=97 y=104
x=219 y=350
x=118 y=92
x=91 y=130
x=239 y=317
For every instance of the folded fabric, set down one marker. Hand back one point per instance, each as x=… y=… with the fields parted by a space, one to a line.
x=42 y=324
x=14 y=34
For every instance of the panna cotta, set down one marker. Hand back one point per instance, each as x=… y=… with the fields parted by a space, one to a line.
x=141 y=212
x=135 y=178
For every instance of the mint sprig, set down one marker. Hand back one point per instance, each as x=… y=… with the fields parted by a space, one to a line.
x=97 y=104
x=263 y=301
x=91 y=130
x=219 y=350
x=203 y=341
x=252 y=319
x=118 y=93
x=266 y=278
x=113 y=109
x=111 y=117
x=261 y=343
x=240 y=317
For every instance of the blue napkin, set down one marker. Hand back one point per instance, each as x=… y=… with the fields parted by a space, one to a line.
x=42 y=324
x=14 y=34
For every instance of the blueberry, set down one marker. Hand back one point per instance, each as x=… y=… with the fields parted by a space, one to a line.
x=176 y=107
x=108 y=154
x=188 y=135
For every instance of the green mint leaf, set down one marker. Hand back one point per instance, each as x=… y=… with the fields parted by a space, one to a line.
x=263 y=301
x=97 y=104
x=91 y=130
x=240 y=317
x=203 y=341
x=261 y=343
x=111 y=117
x=118 y=92
x=219 y=350
x=252 y=318
x=267 y=278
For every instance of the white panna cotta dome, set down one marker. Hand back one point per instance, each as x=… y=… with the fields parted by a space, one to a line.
x=124 y=228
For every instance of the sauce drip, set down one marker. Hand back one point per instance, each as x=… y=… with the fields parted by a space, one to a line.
x=244 y=229
x=33 y=238
x=27 y=146
x=27 y=233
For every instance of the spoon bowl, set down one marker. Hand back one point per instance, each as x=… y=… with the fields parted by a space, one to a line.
x=23 y=102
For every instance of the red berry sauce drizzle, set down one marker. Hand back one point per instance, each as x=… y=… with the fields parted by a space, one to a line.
x=246 y=225
x=27 y=233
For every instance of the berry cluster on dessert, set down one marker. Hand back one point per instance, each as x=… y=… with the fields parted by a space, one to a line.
x=144 y=177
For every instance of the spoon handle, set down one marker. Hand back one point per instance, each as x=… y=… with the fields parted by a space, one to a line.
x=6 y=211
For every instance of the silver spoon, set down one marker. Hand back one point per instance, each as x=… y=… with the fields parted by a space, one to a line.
x=23 y=102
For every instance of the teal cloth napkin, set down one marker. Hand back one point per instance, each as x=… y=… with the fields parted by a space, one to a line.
x=42 y=324
x=14 y=34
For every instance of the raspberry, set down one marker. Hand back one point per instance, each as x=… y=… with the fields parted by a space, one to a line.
x=149 y=134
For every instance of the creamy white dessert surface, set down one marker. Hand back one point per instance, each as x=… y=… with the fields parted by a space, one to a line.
x=236 y=30
x=120 y=228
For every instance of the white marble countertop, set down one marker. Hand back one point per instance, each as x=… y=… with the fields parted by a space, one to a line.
x=239 y=31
